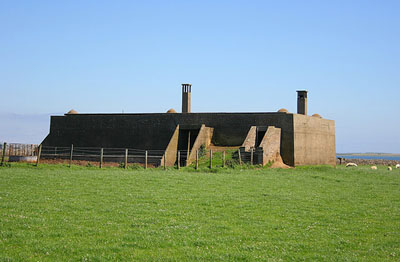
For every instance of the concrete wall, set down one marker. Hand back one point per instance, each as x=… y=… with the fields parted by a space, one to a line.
x=118 y=131
x=171 y=150
x=304 y=140
x=314 y=141
x=250 y=139
x=154 y=131
x=271 y=144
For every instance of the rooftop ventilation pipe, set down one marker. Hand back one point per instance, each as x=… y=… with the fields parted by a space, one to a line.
x=186 y=91
x=302 y=102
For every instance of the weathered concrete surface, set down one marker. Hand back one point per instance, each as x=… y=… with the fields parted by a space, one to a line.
x=203 y=138
x=314 y=141
x=305 y=140
x=250 y=140
x=271 y=145
x=154 y=131
x=172 y=149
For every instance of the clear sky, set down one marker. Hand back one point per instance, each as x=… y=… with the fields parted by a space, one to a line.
x=240 y=56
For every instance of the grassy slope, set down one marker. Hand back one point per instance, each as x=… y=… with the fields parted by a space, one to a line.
x=87 y=214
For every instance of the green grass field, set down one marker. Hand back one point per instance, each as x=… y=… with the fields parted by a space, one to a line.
x=55 y=213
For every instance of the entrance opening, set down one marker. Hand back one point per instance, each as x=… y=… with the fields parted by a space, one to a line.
x=261 y=130
x=186 y=140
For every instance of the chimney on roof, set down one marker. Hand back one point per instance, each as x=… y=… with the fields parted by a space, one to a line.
x=302 y=102
x=186 y=91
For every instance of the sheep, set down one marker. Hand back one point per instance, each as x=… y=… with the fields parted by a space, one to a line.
x=398 y=166
x=351 y=164
x=389 y=168
x=374 y=168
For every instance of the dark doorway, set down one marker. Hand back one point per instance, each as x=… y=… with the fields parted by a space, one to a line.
x=186 y=140
x=261 y=130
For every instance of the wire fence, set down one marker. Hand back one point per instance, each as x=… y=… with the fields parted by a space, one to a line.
x=122 y=156
x=102 y=155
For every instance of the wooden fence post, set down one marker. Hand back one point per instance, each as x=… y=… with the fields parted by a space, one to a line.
x=179 y=159
x=70 y=157
x=240 y=158
x=4 y=153
x=126 y=158
x=145 y=160
x=38 y=156
x=197 y=159
x=223 y=159
x=211 y=156
x=251 y=156
x=101 y=158
x=165 y=160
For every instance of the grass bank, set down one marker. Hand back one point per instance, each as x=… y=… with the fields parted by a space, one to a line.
x=55 y=213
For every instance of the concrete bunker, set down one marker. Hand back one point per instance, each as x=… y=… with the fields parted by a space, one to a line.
x=296 y=139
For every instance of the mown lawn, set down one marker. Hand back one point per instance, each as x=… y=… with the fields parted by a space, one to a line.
x=54 y=213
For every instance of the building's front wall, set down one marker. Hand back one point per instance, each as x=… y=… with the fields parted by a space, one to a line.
x=305 y=140
x=314 y=141
x=154 y=131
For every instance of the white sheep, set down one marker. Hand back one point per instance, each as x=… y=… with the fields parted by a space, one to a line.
x=374 y=168
x=398 y=166
x=351 y=164
x=389 y=168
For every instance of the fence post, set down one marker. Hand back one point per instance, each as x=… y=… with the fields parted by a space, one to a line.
x=4 y=153
x=240 y=158
x=101 y=158
x=197 y=159
x=179 y=159
x=211 y=156
x=251 y=156
x=223 y=159
x=126 y=158
x=165 y=160
x=145 y=160
x=38 y=156
x=70 y=157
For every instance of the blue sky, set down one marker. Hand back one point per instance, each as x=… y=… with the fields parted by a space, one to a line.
x=240 y=56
